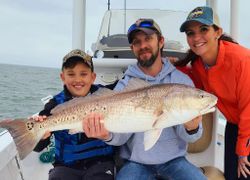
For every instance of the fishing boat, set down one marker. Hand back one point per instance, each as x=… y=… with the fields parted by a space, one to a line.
x=112 y=55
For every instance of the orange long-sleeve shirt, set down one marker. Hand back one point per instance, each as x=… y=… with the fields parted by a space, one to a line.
x=229 y=80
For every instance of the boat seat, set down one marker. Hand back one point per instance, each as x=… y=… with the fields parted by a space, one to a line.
x=212 y=173
x=115 y=40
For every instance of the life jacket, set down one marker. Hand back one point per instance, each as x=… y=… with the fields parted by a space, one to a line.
x=68 y=147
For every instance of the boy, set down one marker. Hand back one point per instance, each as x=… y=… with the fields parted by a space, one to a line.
x=77 y=156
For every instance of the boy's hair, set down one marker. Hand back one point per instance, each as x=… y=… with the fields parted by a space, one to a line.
x=77 y=56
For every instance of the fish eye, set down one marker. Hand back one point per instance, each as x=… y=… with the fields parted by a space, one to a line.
x=201 y=96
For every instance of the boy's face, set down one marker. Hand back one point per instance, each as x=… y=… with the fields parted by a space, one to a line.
x=78 y=80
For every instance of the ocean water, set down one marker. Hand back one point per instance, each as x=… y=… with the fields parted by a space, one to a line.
x=22 y=87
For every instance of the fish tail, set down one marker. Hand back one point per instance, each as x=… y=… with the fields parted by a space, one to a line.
x=24 y=138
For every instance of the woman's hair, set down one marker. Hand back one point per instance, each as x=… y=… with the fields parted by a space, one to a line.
x=191 y=56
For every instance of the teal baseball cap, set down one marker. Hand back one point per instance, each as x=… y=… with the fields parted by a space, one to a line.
x=204 y=15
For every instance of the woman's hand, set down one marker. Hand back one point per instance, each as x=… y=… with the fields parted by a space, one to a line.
x=93 y=126
x=243 y=167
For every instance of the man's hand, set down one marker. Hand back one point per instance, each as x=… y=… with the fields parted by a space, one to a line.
x=172 y=59
x=243 y=167
x=93 y=126
x=193 y=124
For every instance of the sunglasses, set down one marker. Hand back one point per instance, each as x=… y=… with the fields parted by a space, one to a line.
x=145 y=23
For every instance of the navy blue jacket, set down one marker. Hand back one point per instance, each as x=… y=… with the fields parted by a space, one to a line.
x=76 y=149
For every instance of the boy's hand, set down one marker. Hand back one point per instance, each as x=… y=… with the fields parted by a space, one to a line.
x=193 y=124
x=94 y=127
x=47 y=134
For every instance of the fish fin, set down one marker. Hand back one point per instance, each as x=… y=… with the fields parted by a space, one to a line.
x=78 y=101
x=103 y=92
x=136 y=83
x=151 y=137
x=66 y=105
x=159 y=113
x=75 y=131
x=24 y=139
x=164 y=121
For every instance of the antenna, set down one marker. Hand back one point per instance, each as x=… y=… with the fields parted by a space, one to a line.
x=125 y=11
x=108 y=4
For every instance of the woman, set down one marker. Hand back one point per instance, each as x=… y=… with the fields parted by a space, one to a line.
x=222 y=67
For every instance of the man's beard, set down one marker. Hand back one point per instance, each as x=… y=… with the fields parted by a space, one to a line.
x=149 y=62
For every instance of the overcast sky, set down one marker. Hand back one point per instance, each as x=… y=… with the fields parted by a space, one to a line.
x=39 y=33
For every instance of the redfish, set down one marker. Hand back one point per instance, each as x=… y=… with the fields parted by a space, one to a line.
x=139 y=108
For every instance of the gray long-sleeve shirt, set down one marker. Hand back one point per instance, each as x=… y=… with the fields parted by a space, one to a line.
x=173 y=140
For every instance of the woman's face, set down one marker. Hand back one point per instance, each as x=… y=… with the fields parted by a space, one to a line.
x=202 y=39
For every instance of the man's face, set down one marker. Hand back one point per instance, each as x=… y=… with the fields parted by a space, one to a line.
x=146 y=48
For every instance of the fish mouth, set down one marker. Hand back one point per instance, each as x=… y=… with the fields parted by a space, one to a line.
x=209 y=108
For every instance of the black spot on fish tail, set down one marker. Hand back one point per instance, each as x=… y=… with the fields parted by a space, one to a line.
x=23 y=135
x=30 y=125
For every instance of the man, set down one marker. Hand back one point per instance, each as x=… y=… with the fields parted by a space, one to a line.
x=166 y=159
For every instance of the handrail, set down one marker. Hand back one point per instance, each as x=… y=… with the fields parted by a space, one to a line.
x=3 y=132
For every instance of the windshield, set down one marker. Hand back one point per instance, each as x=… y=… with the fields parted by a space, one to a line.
x=115 y=23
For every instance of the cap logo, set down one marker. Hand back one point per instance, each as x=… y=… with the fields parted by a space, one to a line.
x=139 y=21
x=141 y=24
x=79 y=53
x=195 y=13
